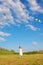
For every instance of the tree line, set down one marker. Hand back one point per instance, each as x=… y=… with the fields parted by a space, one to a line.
x=6 y=51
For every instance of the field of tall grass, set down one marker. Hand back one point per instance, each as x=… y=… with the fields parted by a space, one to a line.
x=27 y=59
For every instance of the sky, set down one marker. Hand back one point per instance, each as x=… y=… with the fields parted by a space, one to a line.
x=21 y=23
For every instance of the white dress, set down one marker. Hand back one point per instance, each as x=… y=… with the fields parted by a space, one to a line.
x=20 y=52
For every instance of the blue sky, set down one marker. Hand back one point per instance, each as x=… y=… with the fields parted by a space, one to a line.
x=21 y=23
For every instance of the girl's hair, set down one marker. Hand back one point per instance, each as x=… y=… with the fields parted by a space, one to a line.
x=20 y=47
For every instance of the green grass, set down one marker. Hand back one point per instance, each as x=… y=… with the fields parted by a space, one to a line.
x=14 y=59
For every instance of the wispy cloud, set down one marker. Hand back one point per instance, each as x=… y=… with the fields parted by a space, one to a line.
x=34 y=6
x=20 y=13
x=38 y=20
x=15 y=12
x=2 y=39
x=34 y=42
x=29 y=26
x=4 y=34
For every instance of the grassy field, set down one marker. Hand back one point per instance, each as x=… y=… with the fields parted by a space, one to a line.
x=30 y=59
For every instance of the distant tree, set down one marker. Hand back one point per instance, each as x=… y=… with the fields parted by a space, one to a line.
x=12 y=51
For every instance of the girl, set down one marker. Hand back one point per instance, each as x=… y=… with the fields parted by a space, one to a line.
x=20 y=51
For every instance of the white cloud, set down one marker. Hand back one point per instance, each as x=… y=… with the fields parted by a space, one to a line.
x=4 y=34
x=21 y=14
x=29 y=26
x=34 y=43
x=38 y=20
x=34 y=6
x=19 y=11
x=2 y=39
